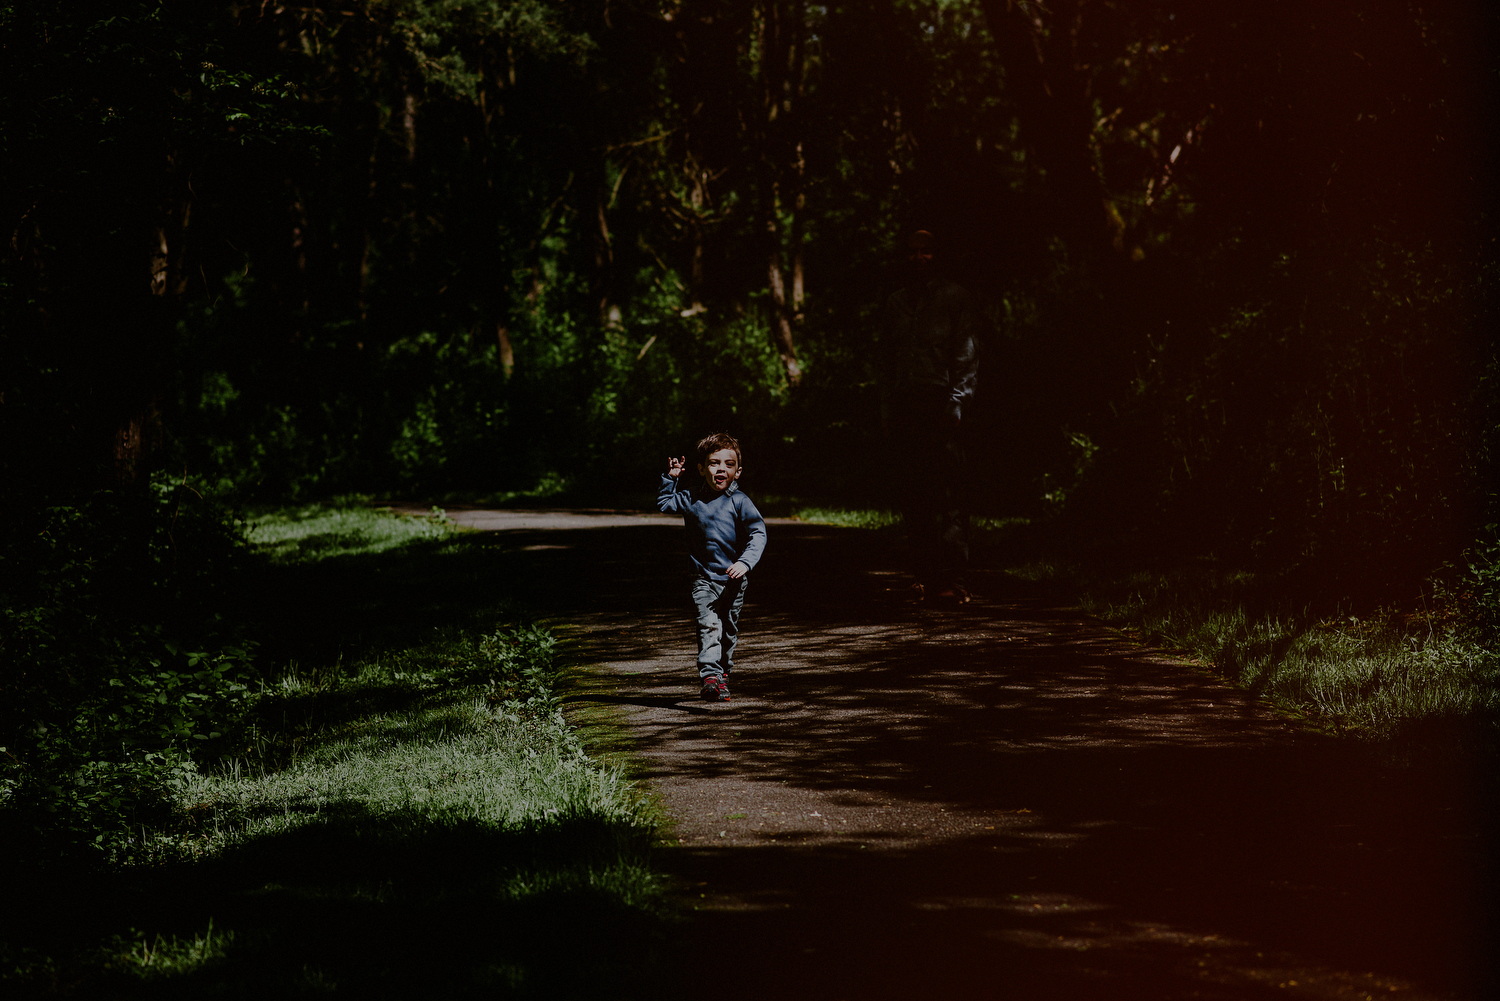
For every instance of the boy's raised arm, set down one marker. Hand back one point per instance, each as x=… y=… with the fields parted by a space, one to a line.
x=671 y=497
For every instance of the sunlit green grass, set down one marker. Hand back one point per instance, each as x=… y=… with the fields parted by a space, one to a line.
x=318 y=531
x=500 y=767
x=156 y=957
x=884 y=518
x=419 y=786
x=1373 y=676
x=848 y=517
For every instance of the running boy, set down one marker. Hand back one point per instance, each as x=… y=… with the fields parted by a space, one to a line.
x=726 y=536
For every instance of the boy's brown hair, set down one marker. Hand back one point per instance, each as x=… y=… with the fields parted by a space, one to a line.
x=717 y=442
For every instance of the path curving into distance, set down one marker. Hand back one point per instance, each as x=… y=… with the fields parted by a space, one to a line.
x=1007 y=800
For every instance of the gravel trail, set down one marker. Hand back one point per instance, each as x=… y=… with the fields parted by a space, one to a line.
x=1006 y=800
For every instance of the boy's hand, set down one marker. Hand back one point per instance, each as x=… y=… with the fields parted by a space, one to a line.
x=737 y=571
x=676 y=466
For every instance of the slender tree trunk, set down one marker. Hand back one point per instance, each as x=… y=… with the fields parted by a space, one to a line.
x=799 y=225
x=370 y=208
x=299 y=250
x=697 y=199
x=159 y=256
x=604 y=259
x=495 y=283
x=130 y=451
x=696 y=279
x=798 y=86
x=409 y=127
x=137 y=433
x=799 y=283
x=368 y=240
x=781 y=316
x=507 y=353
x=168 y=244
x=776 y=99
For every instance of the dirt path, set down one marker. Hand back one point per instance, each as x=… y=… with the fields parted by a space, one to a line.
x=1002 y=801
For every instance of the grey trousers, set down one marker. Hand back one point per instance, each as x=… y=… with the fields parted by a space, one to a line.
x=718 y=607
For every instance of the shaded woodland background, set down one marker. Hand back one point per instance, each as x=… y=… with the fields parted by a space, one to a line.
x=1240 y=261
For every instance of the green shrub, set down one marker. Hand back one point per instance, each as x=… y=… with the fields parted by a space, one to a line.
x=122 y=661
x=1482 y=563
x=528 y=654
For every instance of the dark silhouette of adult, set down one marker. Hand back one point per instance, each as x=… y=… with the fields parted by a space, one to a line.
x=928 y=371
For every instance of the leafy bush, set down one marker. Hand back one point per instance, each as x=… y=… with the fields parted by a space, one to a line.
x=527 y=654
x=121 y=664
x=1483 y=579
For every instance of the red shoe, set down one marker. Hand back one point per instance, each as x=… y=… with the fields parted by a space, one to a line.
x=715 y=689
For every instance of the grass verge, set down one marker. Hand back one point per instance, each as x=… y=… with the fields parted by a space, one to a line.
x=1427 y=674
x=341 y=528
x=408 y=814
x=1386 y=674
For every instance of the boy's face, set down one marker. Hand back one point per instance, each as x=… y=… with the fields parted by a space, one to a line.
x=720 y=469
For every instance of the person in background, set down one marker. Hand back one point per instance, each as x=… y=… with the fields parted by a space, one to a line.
x=928 y=370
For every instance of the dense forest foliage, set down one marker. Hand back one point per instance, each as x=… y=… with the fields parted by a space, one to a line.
x=1240 y=263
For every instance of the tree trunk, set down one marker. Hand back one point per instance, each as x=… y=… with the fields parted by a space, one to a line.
x=604 y=259
x=799 y=216
x=776 y=50
x=136 y=436
x=507 y=353
x=368 y=242
x=696 y=279
x=299 y=250
x=409 y=127
x=129 y=451
x=781 y=318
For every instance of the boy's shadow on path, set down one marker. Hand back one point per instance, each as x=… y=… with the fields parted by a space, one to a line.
x=1006 y=800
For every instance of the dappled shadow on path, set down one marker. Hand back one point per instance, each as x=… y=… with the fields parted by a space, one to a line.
x=1005 y=800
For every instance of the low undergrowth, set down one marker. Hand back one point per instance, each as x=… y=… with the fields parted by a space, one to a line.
x=1383 y=674
x=1428 y=672
x=123 y=662
x=404 y=811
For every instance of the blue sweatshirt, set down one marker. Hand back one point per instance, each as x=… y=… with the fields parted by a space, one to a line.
x=722 y=528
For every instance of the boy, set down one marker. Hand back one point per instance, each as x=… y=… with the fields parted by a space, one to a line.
x=726 y=536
